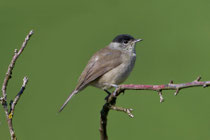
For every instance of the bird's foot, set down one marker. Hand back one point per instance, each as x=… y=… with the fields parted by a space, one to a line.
x=116 y=88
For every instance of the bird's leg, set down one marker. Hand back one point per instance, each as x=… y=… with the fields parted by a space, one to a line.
x=109 y=93
x=116 y=88
x=112 y=85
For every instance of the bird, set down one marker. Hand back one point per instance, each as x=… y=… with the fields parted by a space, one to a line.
x=108 y=67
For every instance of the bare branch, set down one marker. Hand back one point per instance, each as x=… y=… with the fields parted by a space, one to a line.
x=111 y=100
x=169 y=86
x=126 y=110
x=13 y=104
x=161 y=96
x=103 y=121
x=3 y=99
x=12 y=64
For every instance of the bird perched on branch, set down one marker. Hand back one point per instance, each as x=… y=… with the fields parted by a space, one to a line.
x=109 y=66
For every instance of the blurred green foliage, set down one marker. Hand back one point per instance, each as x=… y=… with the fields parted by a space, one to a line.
x=176 y=47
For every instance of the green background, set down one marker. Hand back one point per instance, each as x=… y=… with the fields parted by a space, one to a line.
x=67 y=32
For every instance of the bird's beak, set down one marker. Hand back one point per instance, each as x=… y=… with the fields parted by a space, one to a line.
x=137 y=40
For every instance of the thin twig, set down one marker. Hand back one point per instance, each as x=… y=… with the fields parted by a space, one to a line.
x=111 y=101
x=122 y=109
x=5 y=84
x=12 y=64
x=13 y=104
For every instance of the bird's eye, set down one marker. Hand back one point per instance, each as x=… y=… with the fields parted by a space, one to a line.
x=125 y=41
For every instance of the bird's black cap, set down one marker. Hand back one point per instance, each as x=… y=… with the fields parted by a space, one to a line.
x=123 y=37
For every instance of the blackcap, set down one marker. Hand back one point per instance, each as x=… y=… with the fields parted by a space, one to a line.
x=109 y=66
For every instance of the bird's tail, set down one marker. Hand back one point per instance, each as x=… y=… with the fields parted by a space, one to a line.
x=68 y=99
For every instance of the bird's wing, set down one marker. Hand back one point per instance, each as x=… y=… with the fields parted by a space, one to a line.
x=103 y=61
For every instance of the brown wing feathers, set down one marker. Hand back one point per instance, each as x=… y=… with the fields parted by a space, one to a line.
x=96 y=67
x=99 y=65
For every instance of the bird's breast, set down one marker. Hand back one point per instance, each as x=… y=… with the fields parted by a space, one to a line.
x=118 y=74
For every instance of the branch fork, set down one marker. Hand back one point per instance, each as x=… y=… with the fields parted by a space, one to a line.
x=9 y=113
x=111 y=101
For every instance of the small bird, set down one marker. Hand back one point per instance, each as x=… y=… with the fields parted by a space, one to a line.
x=108 y=67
